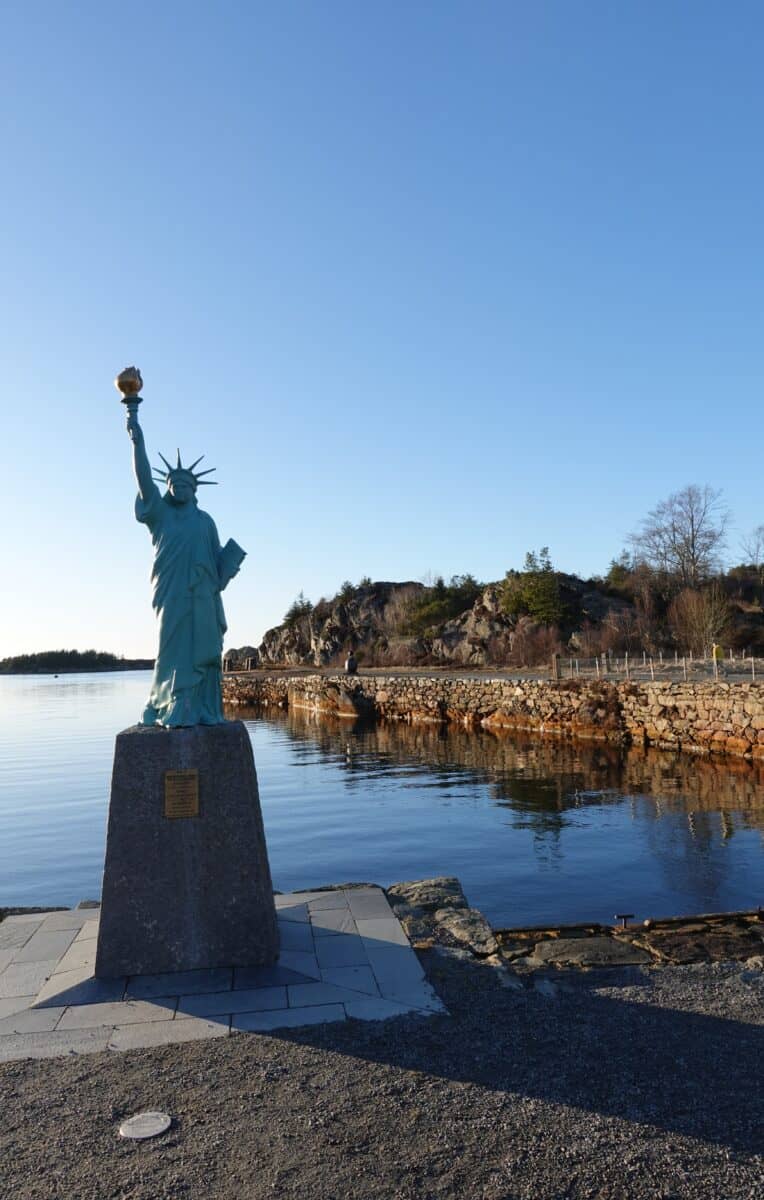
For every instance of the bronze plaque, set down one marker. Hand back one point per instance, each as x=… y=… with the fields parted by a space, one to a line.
x=181 y=794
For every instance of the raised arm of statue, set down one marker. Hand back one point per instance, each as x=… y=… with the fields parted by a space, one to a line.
x=141 y=465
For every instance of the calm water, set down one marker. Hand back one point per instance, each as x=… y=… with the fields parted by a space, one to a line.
x=535 y=829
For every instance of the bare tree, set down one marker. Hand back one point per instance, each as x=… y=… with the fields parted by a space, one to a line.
x=753 y=550
x=683 y=537
x=698 y=619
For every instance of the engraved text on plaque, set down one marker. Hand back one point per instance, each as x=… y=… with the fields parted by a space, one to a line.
x=181 y=794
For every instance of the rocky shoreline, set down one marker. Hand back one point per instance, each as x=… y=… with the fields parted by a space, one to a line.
x=436 y=913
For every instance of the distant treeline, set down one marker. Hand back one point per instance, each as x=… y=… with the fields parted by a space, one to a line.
x=54 y=662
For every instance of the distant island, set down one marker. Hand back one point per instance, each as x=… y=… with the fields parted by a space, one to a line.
x=60 y=662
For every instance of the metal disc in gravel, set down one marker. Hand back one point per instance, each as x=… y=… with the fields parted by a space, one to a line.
x=145 y=1125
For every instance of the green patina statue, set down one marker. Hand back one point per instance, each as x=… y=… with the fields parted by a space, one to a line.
x=190 y=571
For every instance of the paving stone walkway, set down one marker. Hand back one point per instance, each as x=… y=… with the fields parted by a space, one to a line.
x=343 y=954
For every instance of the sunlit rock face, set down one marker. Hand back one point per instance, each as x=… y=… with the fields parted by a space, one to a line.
x=372 y=622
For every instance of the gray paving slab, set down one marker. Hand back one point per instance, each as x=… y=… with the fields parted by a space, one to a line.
x=368 y=903
x=306 y=995
x=400 y=977
x=243 y=1000
x=74 y=918
x=371 y=1008
x=23 y=979
x=382 y=931
x=52 y=1045
x=295 y=936
x=299 y=960
x=298 y=897
x=327 y=921
x=79 y=956
x=293 y=912
x=180 y=983
x=326 y=900
x=79 y=987
x=263 y=977
x=44 y=945
x=344 y=950
x=424 y=998
x=123 y=1012
x=13 y=937
x=166 y=1033
x=31 y=1020
x=29 y=918
x=394 y=963
x=265 y=1022
x=357 y=979
x=344 y=953
x=14 y=1004
x=89 y=932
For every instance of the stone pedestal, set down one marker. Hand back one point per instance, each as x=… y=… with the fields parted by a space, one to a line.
x=184 y=891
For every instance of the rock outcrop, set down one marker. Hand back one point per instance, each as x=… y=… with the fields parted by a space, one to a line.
x=388 y=624
x=367 y=620
x=371 y=621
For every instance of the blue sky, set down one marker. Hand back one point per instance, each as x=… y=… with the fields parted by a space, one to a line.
x=429 y=283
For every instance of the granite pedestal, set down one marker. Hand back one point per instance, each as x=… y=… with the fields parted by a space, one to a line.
x=183 y=892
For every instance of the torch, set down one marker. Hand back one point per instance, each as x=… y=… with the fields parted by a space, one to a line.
x=129 y=383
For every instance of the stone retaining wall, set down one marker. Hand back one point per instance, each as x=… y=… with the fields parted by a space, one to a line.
x=695 y=717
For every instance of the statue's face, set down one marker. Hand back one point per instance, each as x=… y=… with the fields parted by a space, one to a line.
x=181 y=491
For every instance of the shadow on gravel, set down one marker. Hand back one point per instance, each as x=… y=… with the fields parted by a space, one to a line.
x=567 y=1043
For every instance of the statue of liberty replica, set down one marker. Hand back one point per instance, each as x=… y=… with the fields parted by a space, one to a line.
x=190 y=571
x=186 y=881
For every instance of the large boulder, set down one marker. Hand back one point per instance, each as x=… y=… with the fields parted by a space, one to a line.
x=429 y=894
x=598 y=951
x=469 y=927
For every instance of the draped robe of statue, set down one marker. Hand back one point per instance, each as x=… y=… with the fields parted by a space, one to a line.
x=186 y=688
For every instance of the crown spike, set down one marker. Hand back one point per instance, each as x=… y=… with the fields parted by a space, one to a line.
x=196 y=464
x=209 y=472
x=207 y=482
x=164 y=460
x=180 y=464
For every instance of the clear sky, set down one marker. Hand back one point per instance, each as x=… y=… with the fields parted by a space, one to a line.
x=429 y=283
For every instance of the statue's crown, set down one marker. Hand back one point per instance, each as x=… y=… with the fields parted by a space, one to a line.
x=179 y=471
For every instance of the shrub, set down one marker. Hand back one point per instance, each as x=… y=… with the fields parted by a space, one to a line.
x=440 y=603
x=699 y=618
x=534 y=591
x=533 y=645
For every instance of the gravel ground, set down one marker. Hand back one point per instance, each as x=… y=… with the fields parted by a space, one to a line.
x=613 y=1085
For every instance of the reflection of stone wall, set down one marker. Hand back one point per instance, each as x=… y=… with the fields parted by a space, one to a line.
x=696 y=717
x=567 y=773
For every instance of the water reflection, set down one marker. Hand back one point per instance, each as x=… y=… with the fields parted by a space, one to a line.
x=540 y=779
x=536 y=829
x=650 y=831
